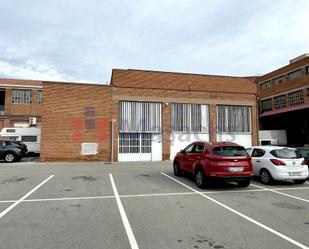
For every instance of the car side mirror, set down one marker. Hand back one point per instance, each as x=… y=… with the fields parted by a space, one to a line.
x=182 y=152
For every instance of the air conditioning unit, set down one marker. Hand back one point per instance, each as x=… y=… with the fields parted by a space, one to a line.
x=32 y=121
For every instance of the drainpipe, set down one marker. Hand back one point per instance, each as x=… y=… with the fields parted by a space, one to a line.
x=112 y=140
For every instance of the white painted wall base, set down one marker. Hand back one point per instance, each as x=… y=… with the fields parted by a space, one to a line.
x=181 y=140
x=241 y=139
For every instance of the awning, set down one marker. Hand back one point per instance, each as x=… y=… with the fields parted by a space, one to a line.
x=283 y=110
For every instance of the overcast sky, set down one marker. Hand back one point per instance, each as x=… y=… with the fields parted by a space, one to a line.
x=78 y=40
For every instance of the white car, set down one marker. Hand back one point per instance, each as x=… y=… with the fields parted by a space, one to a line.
x=278 y=163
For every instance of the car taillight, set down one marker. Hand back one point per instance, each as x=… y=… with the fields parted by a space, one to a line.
x=304 y=162
x=277 y=162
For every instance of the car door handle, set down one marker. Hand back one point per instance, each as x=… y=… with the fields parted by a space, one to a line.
x=258 y=161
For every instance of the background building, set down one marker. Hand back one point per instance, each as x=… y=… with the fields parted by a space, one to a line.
x=20 y=102
x=284 y=100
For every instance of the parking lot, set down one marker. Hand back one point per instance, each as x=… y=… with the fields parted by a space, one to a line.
x=128 y=205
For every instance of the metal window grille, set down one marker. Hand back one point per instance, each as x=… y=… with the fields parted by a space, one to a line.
x=20 y=96
x=280 y=102
x=267 y=105
x=39 y=97
x=296 y=98
x=189 y=117
x=140 y=117
x=233 y=119
x=294 y=74
x=135 y=143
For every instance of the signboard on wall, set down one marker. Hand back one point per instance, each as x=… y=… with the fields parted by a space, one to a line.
x=89 y=149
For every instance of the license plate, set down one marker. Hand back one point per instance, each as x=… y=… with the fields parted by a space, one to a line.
x=294 y=174
x=236 y=169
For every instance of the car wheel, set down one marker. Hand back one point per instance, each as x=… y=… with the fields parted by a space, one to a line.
x=200 y=179
x=177 y=170
x=265 y=176
x=244 y=183
x=9 y=157
x=299 y=181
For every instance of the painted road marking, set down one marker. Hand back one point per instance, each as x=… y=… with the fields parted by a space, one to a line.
x=260 y=189
x=292 y=241
x=24 y=197
x=280 y=193
x=124 y=217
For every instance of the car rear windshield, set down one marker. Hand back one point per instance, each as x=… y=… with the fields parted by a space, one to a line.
x=285 y=153
x=230 y=151
x=304 y=152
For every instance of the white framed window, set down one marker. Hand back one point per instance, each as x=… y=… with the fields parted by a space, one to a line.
x=135 y=143
x=189 y=117
x=233 y=119
x=39 y=97
x=21 y=96
x=140 y=116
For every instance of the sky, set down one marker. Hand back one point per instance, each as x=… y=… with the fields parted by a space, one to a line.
x=82 y=41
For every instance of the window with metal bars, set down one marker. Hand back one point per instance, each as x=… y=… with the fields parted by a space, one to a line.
x=20 y=96
x=130 y=143
x=189 y=117
x=39 y=97
x=296 y=98
x=233 y=119
x=280 y=101
x=140 y=116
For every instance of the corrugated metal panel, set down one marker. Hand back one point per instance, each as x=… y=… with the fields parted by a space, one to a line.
x=140 y=116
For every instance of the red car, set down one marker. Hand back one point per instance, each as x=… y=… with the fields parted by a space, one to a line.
x=223 y=161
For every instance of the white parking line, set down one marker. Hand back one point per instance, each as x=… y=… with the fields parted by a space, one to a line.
x=124 y=217
x=24 y=197
x=280 y=193
x=292 y=241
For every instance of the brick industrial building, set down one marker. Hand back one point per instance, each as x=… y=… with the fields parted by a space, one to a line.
x=150 y=115
x=20 y=101
x=154 y=114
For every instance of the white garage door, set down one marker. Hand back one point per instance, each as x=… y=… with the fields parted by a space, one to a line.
x=189 y=123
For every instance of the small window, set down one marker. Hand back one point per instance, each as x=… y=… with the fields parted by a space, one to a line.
x=39 y=97
x=285 y=153
x=294 y=74
x=2 y=143
x=20 y=96
x=258 y=153
x=29 y=138
x=279 y=80
x=296 y=98
x=199 y=148
x=307 y=70
x=266 y=84
x=230 y=151
x=280 y=101
x=267 y=105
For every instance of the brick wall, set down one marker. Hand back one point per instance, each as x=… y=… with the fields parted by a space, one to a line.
x=75 y=114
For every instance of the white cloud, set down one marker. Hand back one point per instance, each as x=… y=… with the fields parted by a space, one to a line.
x=236 y=37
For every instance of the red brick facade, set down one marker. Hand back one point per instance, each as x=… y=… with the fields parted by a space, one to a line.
x=64 y=128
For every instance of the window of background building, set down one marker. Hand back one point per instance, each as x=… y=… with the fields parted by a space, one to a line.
x=266 y=84
x=20 y=96
x=294 y=74
x=280 y=102
x=307 y=70
x=267 y=105
x=39 y=97
x=234 y=119
x=279 y=80
x=296 y=98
